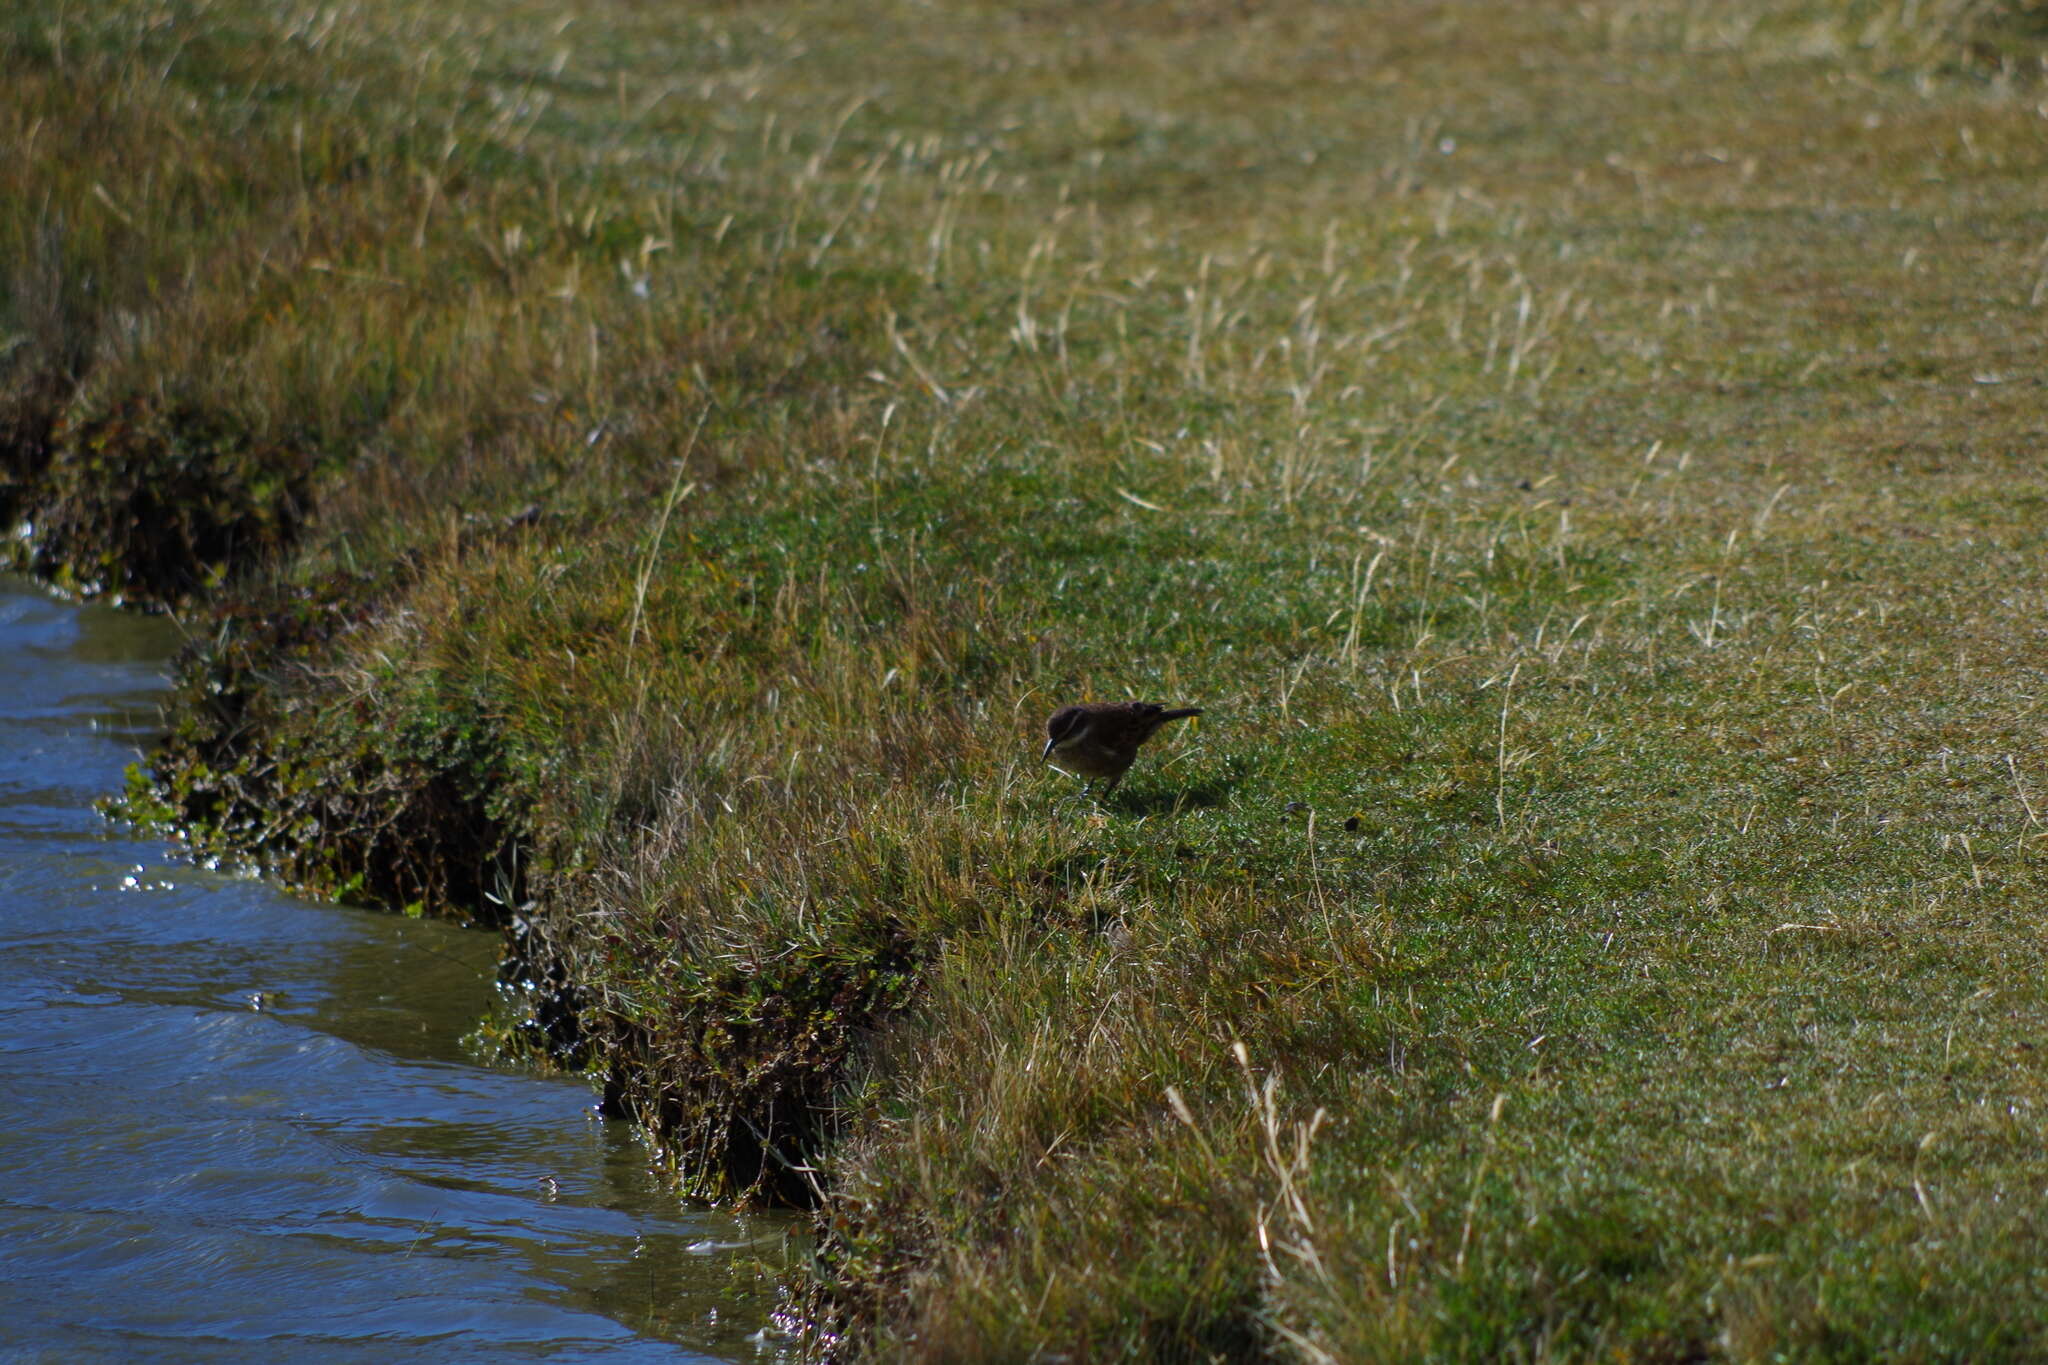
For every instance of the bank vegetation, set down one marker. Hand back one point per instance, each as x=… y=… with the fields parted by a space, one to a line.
x=642 y=474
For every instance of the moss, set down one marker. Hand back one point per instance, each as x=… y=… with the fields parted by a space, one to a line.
x=146 y=502
x=738 y=1073
x=376 y=800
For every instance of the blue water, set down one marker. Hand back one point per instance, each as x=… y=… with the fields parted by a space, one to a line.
x=235 y=1125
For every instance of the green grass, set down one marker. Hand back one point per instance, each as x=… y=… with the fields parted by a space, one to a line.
x=1585 y=458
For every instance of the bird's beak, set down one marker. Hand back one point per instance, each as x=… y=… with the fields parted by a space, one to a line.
x=1048 y=750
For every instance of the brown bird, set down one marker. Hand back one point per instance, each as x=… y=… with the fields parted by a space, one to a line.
x=1101 y=738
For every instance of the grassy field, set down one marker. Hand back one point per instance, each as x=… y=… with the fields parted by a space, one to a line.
x=653 y=469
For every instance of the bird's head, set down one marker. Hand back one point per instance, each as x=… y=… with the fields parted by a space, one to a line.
x=1066 y=724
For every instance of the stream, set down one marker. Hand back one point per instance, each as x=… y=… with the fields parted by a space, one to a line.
x=237 y=1125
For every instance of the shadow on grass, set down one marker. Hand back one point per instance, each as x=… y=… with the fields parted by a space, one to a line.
x=1150 y=800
